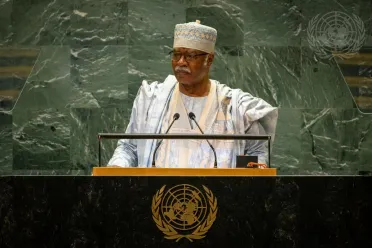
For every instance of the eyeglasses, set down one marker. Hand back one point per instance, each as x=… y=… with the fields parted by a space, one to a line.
x=188 y=57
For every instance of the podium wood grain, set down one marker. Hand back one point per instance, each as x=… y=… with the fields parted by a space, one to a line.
x=196 y=172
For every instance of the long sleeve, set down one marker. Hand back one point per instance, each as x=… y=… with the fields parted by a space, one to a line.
x=146 y=117
x=125 y=154
x=257 y=147
x=254 y=116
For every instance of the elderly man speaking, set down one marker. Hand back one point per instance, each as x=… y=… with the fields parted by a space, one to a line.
x=217 y=108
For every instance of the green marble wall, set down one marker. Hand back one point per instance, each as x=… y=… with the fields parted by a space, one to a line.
x=92 y=55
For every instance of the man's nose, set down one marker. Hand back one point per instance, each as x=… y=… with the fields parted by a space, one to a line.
x=182 y=60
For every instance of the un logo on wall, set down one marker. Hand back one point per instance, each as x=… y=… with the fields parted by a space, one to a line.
x=184 y=211
x=335 y=34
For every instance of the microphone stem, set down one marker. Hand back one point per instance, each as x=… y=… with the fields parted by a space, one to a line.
x=157 y=146
x=198 y=126
x=214 y=152
x=170 y=125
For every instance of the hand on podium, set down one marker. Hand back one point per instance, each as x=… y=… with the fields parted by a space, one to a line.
x=256 y=165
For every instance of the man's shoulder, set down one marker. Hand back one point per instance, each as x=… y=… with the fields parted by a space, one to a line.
x=245 y=102
x=157 y=88
x=230 y=92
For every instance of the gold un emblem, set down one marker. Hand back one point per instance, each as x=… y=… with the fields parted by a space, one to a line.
x=184 y=211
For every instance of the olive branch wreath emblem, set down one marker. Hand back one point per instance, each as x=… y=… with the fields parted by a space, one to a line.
x=319 y=48
x=170 y=232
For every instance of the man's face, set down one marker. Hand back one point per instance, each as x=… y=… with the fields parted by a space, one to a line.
x=190 y=66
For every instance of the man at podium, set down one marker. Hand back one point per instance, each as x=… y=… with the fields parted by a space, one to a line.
x=194 y=103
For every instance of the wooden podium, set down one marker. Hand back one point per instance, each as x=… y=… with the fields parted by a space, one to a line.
x=194 y=172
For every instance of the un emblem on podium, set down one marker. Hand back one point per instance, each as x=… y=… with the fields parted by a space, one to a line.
x=184 y=211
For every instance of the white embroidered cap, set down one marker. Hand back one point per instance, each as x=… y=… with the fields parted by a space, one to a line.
x=196 y=36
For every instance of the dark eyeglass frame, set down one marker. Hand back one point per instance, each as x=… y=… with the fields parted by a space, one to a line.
x=188 y=57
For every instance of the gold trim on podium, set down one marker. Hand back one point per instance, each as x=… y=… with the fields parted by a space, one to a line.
x=134 y=171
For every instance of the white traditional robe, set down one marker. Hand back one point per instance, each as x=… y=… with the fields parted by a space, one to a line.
x=226 y=111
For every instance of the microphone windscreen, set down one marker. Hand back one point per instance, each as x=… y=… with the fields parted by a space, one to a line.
x=176 y=116
x=192 y=115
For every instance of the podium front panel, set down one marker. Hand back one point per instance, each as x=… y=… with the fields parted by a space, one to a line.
x=185 y=211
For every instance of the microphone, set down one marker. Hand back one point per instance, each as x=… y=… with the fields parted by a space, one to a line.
x=176 y=116
x=192 y=117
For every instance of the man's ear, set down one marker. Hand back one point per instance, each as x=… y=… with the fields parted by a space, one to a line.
x=210 y=59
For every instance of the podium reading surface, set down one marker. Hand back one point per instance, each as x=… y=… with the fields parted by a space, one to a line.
x=197 y=172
